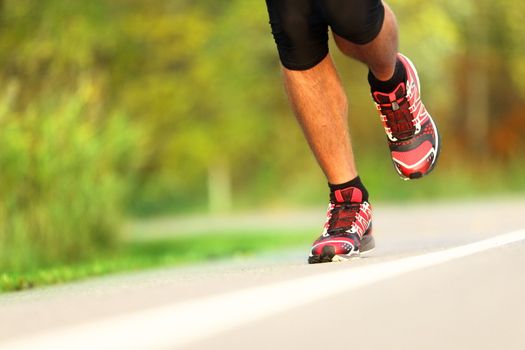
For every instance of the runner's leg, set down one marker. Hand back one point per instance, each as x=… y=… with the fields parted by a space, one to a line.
x=312 y=84
x=412 y=134
x=380 y=54
x=320 y=105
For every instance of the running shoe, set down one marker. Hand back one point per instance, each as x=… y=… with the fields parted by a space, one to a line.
x=412 y=135
x=348 y=228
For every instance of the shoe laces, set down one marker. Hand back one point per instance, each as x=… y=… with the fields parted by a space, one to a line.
x=395 y=108
x=342 y=217
x=399 y=119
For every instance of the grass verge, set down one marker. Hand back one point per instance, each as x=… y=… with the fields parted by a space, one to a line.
x=133 y=256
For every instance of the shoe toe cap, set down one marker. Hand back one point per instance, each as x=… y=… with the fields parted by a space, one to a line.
x=417 y=162
x=339 y=246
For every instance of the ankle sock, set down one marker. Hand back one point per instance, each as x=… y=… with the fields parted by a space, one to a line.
x=388 y=86
x=356 y=182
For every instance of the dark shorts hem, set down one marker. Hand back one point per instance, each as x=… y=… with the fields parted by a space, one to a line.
x=304 y=66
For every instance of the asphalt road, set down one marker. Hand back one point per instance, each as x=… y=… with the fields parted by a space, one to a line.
x=417 y=290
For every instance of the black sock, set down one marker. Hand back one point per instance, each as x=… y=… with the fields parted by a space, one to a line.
x=400 y=75
x=356 y=182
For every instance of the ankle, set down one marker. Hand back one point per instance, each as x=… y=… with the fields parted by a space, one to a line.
x=386 y=86
x=355 y=183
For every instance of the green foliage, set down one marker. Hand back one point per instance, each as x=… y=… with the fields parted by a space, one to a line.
x=64 y=175
x=139 y=255
x=160 y=97
x=206 y=87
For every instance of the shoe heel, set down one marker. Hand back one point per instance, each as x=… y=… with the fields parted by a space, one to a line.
x=367 y=244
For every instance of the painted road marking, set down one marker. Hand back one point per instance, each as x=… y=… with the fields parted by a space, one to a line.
x=175 y=325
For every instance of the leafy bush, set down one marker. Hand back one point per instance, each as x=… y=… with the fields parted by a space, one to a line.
x=64 y=174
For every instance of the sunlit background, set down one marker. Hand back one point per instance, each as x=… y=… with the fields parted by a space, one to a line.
x=119 y=111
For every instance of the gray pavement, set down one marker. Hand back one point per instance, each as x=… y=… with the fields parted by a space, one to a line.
x=472 y=302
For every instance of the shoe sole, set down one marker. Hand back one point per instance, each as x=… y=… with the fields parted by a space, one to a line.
x=328 y=253
x=367 y=246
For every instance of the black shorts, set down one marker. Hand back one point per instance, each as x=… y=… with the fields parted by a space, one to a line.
x=300 y=27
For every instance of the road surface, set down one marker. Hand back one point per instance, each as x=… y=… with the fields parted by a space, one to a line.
x=456 y=282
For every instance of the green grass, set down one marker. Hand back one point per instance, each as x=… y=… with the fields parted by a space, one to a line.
x=134 y=256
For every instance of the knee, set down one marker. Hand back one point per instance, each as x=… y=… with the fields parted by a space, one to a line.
x=300 y=46
x=358 y=21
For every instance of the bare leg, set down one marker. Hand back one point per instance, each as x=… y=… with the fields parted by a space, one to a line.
x=320 y=105
x=380 y=54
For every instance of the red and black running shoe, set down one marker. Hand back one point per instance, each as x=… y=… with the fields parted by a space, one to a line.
x=412 y=134
x=348 y=228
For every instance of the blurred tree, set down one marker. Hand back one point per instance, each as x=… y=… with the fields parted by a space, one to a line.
x=200 y=80
x=67 y=154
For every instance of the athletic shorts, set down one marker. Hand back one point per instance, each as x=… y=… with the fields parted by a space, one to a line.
x=300 y=27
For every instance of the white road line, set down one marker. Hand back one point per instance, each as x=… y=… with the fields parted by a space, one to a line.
x=174 y=325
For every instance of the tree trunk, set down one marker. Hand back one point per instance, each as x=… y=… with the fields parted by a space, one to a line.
x=478 y=84
x=219 y=187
